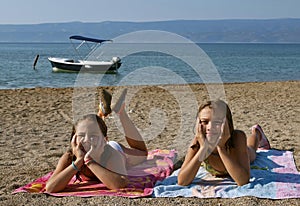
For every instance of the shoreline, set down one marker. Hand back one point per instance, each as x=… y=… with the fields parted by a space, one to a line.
x=36 y=125
x=195 y=83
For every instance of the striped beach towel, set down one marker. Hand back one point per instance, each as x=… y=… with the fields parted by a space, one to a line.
x=273 y=175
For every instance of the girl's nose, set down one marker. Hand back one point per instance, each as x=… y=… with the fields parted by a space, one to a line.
x=208 y=126
x=86 y=138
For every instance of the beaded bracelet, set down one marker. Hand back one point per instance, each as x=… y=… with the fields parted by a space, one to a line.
x=75 y=167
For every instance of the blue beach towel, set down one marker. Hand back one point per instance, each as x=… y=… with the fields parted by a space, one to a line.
x=273 y=175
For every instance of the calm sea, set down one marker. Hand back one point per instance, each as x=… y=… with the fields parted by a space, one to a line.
x=233 y=63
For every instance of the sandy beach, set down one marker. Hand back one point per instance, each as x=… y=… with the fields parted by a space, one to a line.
x=36 y=124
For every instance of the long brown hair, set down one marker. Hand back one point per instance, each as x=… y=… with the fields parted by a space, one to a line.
x=221 y=104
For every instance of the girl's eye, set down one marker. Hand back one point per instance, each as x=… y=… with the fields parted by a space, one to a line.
x=203 y=122
x=80 y=135
x=217 y=123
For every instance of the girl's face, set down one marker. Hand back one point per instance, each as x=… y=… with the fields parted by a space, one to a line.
x=211 y=121
x=89 y=132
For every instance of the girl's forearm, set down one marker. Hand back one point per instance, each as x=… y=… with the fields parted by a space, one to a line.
x=59 y=181
x=239 y=173
x=190 y=166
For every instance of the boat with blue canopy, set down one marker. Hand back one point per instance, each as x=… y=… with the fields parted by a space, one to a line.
x=86 y=64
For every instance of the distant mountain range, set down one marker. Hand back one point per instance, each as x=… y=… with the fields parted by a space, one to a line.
x=267 y=31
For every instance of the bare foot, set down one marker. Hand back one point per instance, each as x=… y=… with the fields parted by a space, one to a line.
x=120 y=103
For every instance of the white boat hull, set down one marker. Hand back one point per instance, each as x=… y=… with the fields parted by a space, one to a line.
x=70 y=65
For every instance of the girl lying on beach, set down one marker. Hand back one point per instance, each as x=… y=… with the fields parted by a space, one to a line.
x=221 y=149
x=92 y=156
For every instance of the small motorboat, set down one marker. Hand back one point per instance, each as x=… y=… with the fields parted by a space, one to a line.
x=85 y=65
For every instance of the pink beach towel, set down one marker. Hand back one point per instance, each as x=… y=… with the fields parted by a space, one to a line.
x=142 y=178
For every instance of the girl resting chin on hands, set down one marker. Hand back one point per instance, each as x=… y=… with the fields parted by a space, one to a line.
x=92 y=156
x=221 y=149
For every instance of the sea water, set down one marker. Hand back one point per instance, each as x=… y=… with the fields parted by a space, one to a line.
x=238 y=62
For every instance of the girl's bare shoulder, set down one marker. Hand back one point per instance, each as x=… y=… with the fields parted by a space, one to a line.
x=239 y=133
x=239 y=137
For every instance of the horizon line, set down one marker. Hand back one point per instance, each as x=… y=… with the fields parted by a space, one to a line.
x=151 y=21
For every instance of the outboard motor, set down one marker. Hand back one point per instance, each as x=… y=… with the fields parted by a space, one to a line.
x=116 y=59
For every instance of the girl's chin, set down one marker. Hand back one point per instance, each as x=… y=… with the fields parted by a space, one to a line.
x=212 y=136
x=212 y=139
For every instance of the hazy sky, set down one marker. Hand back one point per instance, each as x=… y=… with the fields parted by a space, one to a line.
x=51 y=11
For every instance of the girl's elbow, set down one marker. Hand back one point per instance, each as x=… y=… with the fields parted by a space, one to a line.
x=244 y=180
x=50 y=188
x=241 y=183
x=121 y=183
x=146 y=153
x=143 y=156
x=182 y=181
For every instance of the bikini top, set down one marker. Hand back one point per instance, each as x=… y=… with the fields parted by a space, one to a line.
x=208 y=167
x=212 y=170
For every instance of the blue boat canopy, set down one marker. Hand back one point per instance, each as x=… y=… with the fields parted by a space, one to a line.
x=82 y=38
